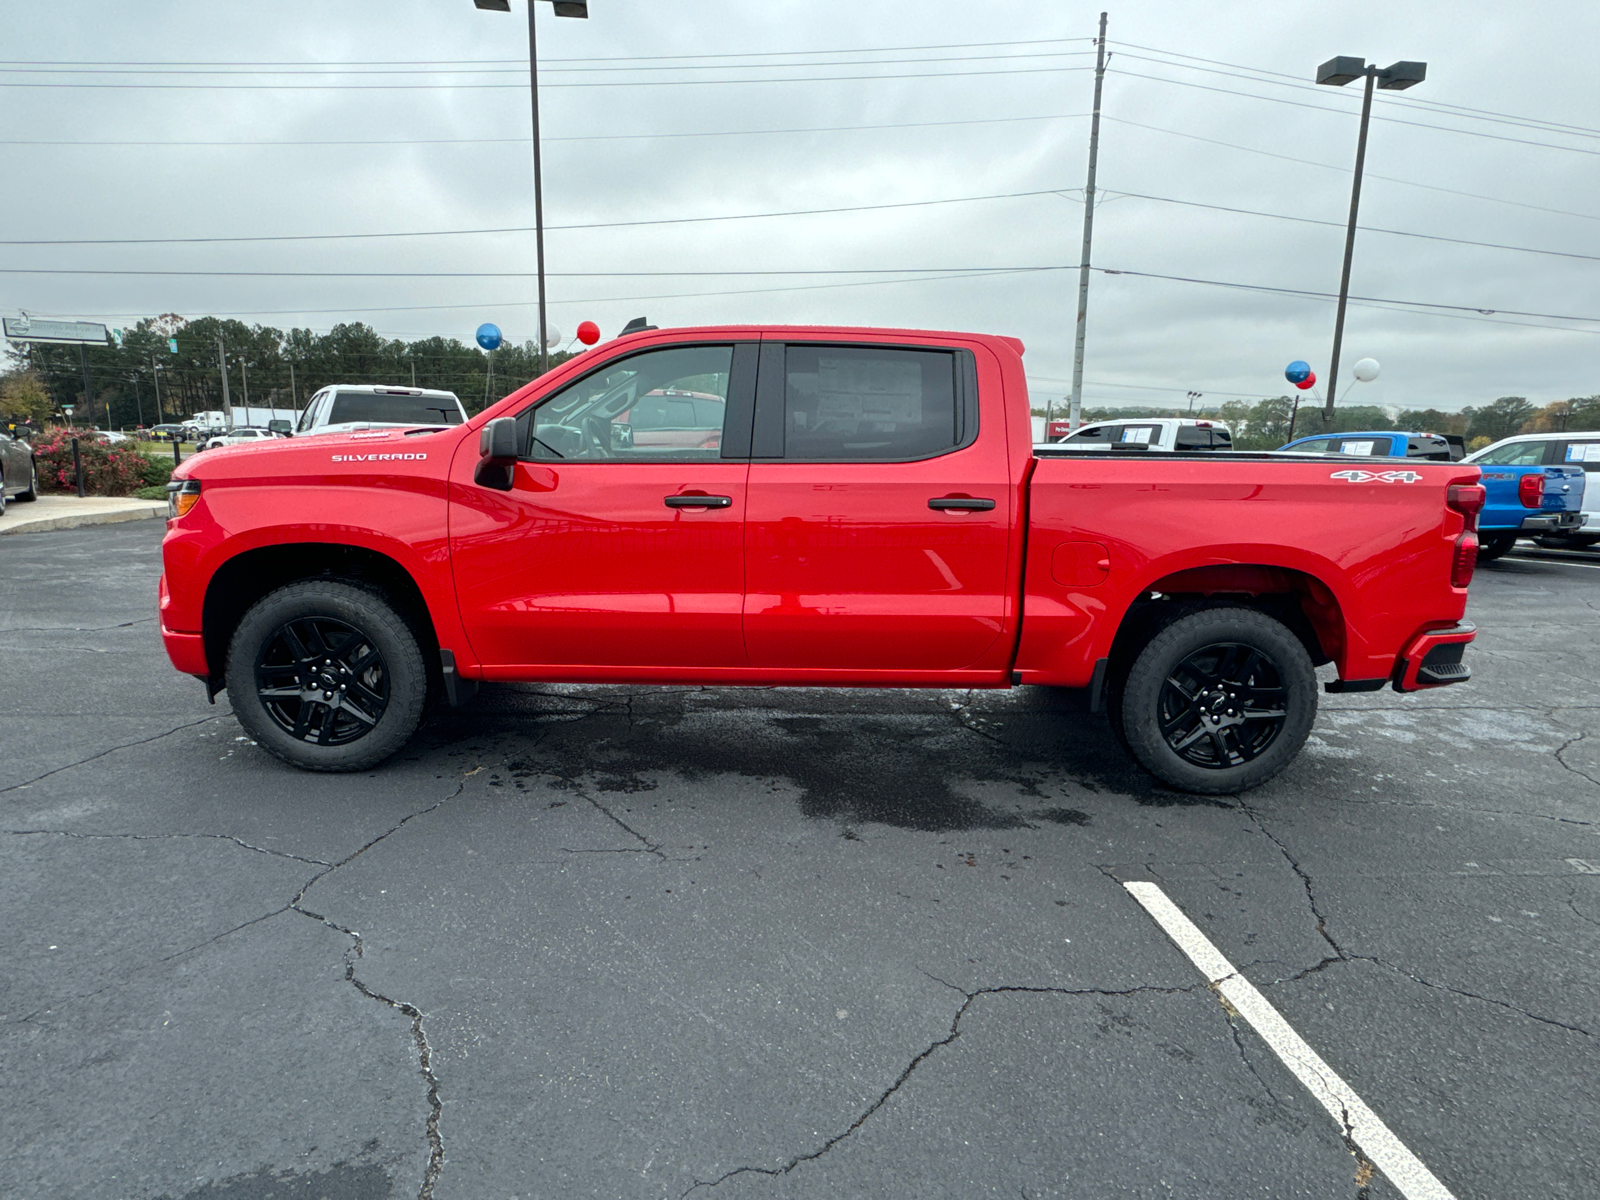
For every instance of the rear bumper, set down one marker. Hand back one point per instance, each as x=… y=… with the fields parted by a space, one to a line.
x=1433 y=659
x=1566 y=522
x=187 y=652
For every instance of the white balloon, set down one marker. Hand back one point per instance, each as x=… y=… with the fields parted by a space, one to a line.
x=1366 y=370
x=552 y=336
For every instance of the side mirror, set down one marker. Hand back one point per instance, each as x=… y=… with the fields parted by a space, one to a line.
x=279 y=428
x=497 y=452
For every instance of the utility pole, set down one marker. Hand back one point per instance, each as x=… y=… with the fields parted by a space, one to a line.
x=244 y=378
x=294 y=403
x=413 y=372
x=1075 y=412
x=222 y=362
x=155 y=378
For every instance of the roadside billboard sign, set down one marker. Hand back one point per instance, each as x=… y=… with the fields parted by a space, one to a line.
x=32 y=329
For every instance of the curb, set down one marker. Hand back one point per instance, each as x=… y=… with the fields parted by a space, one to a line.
x=11 y=523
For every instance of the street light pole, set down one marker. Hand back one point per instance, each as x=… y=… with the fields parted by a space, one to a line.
x=1337 y=72
x=563 y=8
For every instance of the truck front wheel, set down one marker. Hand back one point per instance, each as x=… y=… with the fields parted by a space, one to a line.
x=327 y=675
x=1219 y=701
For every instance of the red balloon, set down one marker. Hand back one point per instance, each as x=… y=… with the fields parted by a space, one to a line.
x=588 y=333
x=1309 y=381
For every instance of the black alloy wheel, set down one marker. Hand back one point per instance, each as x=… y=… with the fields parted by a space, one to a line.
x=1219 y=700
x=328 y=674
x=1222 y=706
x=322 y=680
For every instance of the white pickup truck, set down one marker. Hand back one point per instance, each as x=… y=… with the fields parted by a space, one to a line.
x=1151 y=433
x=346 y=407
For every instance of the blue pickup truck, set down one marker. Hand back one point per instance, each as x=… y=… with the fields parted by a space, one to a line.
x=1382 y=443
x=1536 y=489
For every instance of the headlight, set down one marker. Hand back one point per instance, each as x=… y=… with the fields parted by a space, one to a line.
x=182 y=495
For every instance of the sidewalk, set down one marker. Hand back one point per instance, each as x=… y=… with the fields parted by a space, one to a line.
x=68 y=512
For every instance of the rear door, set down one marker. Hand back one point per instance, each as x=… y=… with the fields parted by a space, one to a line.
x=1583 y=450
x=879 y=514
x=608 y=555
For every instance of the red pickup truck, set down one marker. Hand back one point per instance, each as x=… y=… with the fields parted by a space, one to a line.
x=870 y=512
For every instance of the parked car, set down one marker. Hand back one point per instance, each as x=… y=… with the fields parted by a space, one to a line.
x=19 y=474
x=235 y=437
x=1156 y=433
x=1381 y=443
x=167 y=433
x=874 y=514
x=1538 y=488
x=344 y=407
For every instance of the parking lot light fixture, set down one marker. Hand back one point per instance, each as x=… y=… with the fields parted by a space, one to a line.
x=1396 y=77
x=563 y=8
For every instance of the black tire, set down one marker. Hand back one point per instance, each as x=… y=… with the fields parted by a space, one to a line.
x=1219 y=701
x=1492 y=545
x=2 y=493
x=33 y=484
x=317 y=641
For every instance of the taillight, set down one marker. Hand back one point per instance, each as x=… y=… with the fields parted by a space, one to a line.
x=1467 y=499
x=1465 y=560
x=1530 y=489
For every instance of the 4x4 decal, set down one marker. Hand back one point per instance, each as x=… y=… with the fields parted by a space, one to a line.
x=1378 y=476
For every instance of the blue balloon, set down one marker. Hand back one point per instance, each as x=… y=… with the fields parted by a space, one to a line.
x=489 y=337
x=1295 y=372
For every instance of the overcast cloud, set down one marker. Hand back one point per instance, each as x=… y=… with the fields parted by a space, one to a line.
x=1150 y=340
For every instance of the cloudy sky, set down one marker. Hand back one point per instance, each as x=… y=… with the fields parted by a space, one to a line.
x=193 y=119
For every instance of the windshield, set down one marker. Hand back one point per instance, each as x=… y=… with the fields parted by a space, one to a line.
x=388 y=407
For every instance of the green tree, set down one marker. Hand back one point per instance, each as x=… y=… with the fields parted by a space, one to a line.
x=23 y=397
x=1431 y=420
x=1501 y=419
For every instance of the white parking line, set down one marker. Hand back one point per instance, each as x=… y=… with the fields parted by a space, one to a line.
x=1360 y=1124
x=1551 y=562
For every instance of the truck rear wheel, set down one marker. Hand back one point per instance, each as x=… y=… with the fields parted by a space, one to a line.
x=1219 y=701
x=327 y=675
x=1492 y=545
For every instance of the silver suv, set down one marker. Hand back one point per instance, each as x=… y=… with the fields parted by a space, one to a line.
x=343 y=407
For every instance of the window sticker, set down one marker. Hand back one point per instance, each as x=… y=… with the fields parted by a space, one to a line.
x=885 y=391
x=1584 y=452
x=1357 y=447
x=1138 y=433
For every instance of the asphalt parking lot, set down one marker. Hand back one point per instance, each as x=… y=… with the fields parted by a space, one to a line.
x=791 y=943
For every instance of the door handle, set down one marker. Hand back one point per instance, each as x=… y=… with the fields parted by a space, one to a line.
x=969 y=503
x=682 y=501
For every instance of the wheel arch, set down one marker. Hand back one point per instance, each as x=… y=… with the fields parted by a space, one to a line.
x=252 y=574
x=1304 y=603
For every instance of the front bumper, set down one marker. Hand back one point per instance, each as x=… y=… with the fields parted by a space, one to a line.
x=1433 y=659
x=1567 y=522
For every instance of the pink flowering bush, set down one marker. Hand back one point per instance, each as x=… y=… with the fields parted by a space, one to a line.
x=108 y=470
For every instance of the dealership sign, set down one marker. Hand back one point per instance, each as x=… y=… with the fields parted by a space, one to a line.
x=31 y=329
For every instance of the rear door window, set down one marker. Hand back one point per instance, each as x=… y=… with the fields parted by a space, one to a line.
x=868 y=403
x=1582 y=454
x=394 y=408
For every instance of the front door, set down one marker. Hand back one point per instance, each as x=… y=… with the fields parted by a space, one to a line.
x=620 y=544
x=878 y=525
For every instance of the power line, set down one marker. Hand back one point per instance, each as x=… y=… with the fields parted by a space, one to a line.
x=1345 y=170
x=470 y=87
x=589 y=137
x=344 y=69
x=1418 y=101
x=393 y=62
x=1188 y=83
x=503 y=274
x=311 y=237
x=1419 y=305
x=1432 y=237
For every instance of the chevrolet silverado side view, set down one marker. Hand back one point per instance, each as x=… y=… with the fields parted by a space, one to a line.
x=870 y=513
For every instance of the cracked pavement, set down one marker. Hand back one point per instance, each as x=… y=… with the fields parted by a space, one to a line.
x=664 y=942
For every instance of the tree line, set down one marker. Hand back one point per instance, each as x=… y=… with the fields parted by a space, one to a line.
x=266 y=367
